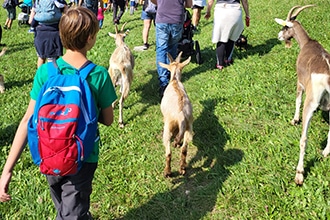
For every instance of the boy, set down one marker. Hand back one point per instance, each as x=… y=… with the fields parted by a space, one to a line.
x=71 y=194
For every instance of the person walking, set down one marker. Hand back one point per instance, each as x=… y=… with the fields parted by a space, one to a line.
x=198 y=6
x=118 y=4
x=169 y=28
x=10 y=6
x=70 y=194
x=227 y=27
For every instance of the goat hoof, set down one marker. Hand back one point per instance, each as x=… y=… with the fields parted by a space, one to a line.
x=121 y=124
x=167 y=173
x=295 y=122
x=299 y=180
x=182 y=171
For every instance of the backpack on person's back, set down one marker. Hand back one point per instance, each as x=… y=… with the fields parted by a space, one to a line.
x=47 y=12
x=63 y=128
x=151 y=7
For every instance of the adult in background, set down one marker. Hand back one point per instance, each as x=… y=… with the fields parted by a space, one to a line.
x=198 y=6
x=169 y=28
x=92 y=5
x=227 y=27
x=148 y=16
x=47 y=15
x=117 y=15
x=10 y=6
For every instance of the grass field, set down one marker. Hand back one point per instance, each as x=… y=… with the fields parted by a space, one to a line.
x=241 y=163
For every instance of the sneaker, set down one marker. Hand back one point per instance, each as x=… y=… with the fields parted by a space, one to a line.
x=31 y=31
x=145 y=46
x=229 y=62
x=5 y=27
x=219 y=67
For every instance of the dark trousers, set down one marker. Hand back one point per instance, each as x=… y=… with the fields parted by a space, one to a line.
x=71 y=194
x=115 y=4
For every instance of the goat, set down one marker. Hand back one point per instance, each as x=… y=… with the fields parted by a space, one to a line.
x=2 y=84
x=177 y=114
x=121 y=65
x=313 y=71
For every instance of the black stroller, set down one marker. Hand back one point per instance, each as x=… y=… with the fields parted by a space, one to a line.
x=187 y=45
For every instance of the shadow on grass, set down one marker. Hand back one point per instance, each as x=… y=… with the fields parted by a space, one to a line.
x=195 y=194
x=7 y=134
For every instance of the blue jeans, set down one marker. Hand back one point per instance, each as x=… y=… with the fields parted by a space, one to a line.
x=167 y=38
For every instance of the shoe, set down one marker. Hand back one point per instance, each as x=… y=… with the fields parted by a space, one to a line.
x=145 y=46
x=31 y=31
x=116 y=21
x=229 y=62
x=219 y=67
x=5 y=27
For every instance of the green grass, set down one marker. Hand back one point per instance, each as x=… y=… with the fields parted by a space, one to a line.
x=244 y=153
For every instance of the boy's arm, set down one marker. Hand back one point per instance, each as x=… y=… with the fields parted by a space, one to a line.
x=106 y=116
x=17 y=147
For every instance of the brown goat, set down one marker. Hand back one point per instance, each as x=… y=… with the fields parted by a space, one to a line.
x=177 y=114
x=313 y=71
x=121 y=65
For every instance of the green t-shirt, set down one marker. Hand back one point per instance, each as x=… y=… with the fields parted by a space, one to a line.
x=99 y=82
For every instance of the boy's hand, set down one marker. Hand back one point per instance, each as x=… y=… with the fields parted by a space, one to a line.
x=4 y=185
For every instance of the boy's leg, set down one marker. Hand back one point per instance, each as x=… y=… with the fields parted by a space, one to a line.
x=71 y=194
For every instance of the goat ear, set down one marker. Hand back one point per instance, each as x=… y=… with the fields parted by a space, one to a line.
x=111 y=35
x=166 y=66
x=280 y=21
x=186 y=62
x=283 y=23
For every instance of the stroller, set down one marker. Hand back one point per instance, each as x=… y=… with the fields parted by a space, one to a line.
x=187 y=44
x=23 y=16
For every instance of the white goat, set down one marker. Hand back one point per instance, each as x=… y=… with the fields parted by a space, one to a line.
x=121 y=65
x=177 y=114
x=313 y=70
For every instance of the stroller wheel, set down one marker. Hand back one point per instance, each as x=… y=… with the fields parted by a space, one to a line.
x=198 y=53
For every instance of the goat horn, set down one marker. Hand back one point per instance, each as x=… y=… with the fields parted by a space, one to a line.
x=170 y=57
x=122 y=28
x=293 y=17
x=178 y=58
x=116 y=29
x=290 y=12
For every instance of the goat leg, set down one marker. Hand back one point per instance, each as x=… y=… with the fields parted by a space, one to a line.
x=309 y=107
x=296 y=119
x=168 y=153
x=121 y=103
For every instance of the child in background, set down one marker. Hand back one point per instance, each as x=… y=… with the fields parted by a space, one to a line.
x=70 y=194
x=132 y=7
x=100 y=14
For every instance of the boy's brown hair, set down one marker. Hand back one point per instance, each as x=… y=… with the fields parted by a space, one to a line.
x=75 y=26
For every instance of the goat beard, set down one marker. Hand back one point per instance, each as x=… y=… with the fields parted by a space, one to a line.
x=288 y=43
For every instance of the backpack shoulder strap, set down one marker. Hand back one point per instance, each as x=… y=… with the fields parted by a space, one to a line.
x=86 y=69
x=53 y=69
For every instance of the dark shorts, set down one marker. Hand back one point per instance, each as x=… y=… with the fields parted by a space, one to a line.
x=148 y=16
x=47 y=41
x=196 y=6
x=11 y=13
